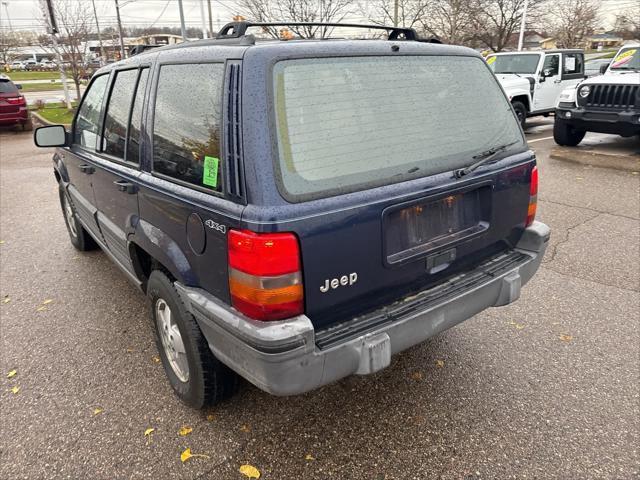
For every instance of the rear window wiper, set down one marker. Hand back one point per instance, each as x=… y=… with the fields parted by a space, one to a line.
x=482 y=158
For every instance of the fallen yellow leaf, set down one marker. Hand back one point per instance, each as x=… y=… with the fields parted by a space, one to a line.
x=184 y=431
x=6 y=299
x=519 y=326
x=15 y=389
x=245 y=428
x=149 y=431
x=309 y=457
x=249 y=471
x=129 y=350
x=186 y=455
x=440 y=363
x=41 y=309
x=211 y=417
x=12 y=374
x=97 y=411
x=156 y=359
x=565 y=338
x=417 y=375
x=47 y=301
x=1 y=242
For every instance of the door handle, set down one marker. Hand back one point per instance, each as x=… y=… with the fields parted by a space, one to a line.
x=88 y=169
x=557 y=81
x=126 y=187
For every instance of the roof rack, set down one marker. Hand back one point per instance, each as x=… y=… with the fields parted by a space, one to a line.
x=239 y=29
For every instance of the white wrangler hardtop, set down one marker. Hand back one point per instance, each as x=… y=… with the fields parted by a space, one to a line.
x=533 y=80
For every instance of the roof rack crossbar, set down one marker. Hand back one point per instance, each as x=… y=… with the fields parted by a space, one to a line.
x=238 y=29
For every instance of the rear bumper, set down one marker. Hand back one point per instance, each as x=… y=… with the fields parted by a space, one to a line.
x=626 y=123
x=283 y=358
x=12 y=118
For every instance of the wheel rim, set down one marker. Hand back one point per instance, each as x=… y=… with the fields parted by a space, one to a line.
x=172 y=341
x=70 y=217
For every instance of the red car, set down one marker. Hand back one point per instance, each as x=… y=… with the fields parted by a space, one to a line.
x=13 y=105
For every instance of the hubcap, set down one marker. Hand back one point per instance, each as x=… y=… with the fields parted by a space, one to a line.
x=70 y=216
x=172 y=341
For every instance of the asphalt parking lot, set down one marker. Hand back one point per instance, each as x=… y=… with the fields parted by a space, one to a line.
x=548 y=387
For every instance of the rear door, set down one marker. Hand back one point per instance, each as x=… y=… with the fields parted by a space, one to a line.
x=78 y=158
x=115 y=181
x=367 y=148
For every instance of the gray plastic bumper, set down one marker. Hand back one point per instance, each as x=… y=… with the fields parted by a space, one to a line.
x=282 y=357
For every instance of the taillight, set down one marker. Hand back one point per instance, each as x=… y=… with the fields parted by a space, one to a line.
x=16 y=100
x=533 y=197
x=265 y=277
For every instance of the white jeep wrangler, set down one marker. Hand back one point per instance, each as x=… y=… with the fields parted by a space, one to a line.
x=609 y=103
x=533 y=80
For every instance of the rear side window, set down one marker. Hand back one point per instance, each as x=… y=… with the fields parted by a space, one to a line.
x=572 y=63
x=88 y=118
x=7 y=87
x=346 y=124
x=133 y=145
x=118 y=108
x=186 y=129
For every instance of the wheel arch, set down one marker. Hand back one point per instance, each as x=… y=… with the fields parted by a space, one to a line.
x=151 y=249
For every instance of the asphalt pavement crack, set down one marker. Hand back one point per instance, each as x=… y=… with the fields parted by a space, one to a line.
x=578 y=277
x=591 y=209
x=565 y=240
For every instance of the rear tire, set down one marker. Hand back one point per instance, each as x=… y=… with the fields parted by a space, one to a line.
x=27 y=126
x=80 y=238
x=566 y=135
x=196 y=376
x=521 y=112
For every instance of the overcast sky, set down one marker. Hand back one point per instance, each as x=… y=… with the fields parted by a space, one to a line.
x=23 y=14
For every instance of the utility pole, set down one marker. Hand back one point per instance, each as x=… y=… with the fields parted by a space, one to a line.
x=95 y=13
x=210 y=19
x=120 y=30
x=52 y=29
x=182 y=27
x=203 y=19
x=523 y=23
x=395 y=13
x=6 y=9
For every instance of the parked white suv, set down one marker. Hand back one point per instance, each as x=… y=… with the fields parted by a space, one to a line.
x=533 y=80
x=608 y=103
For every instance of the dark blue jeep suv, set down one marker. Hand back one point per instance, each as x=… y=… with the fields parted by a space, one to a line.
x=298 y=211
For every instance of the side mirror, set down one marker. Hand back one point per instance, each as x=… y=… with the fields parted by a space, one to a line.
x=603 y=67
x=18 y=86
x=50 y=136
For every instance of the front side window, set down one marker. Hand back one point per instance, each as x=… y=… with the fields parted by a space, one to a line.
x=345 y=124
x=186 y=126
x=87 y=120
x=551 y=65
x=526 y=63
x=118 y=108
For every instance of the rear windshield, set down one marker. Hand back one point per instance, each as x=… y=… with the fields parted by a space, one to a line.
x=7 y=87
x=346 y=124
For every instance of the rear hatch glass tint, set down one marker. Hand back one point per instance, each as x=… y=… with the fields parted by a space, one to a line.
x=348 y=124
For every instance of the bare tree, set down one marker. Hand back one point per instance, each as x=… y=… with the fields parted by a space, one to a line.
x=452 y=21
x=571 y=21
x=411 y=13
x=9 y=41
x=75 y=20
x=628 y=22
x=498 y=20
x=326 y=11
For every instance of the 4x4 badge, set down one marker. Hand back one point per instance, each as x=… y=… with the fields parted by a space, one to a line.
x=216 y=226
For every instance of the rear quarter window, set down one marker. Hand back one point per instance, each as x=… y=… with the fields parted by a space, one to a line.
x=7 y=87
x=347 y=124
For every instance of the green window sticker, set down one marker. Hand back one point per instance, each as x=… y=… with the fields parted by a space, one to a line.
x=210 y=171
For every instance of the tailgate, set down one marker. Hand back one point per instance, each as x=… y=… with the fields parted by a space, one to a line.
x=373 y=255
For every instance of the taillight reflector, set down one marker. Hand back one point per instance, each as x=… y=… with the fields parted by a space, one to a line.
x=533 y=197
x=265 y=279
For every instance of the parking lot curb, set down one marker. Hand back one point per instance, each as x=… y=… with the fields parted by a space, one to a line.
x=597 y=158
x=40 y=121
